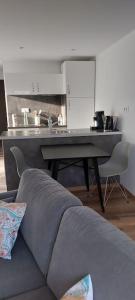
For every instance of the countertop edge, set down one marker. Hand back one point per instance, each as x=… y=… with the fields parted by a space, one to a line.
x=5 y=136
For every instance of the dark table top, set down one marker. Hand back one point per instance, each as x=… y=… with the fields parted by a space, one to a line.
x=72 y=151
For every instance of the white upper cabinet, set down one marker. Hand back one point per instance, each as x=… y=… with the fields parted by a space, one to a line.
x=79 y=78
x=33 y=84
x=50 y=84
x=18 y=84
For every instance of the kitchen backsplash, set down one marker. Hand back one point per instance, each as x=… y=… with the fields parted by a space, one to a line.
x=38 y=105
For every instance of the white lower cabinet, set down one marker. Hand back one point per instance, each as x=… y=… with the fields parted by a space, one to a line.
x=80 y=112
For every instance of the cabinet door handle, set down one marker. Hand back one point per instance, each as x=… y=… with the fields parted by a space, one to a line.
x=68 y=89
x=33 y=87
x=69 y=104
x=38 y=87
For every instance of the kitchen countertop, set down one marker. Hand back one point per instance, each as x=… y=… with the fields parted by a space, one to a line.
x=54 y=133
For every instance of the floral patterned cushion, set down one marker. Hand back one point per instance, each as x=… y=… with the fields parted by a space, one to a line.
x=11 y=215
x=80 y=291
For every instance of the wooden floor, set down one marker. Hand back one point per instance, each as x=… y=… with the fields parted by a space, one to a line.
x=118 y=211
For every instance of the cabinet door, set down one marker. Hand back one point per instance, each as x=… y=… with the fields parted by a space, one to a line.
x=79 y=78
x=34 y=84
x=80 y=112
x=19 y=84
x=50 y=84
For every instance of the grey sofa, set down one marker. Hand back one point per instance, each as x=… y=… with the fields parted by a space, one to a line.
x=59 y=242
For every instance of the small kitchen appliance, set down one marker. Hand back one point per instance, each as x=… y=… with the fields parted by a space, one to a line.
x=109 y=123
x=98 y=120
x=102 y=122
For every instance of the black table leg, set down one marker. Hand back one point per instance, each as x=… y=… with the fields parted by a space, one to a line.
x=49 y=164
x=55 y=166
x=98 y=183
x=86 y=172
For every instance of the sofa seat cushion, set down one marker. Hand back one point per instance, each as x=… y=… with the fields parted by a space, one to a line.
x=46 y=202
x=43 y=293
x=9 y=196
x=21 y=274
x=88 y=244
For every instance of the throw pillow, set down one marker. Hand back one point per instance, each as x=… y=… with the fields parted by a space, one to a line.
x=11 y=215
x=80 y=291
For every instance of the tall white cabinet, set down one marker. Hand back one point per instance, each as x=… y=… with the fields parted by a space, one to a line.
x=78 y=113
x=79 y=84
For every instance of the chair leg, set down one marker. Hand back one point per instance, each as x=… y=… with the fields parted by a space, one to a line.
x=106 y=197
x=122 y=189
x=114 y=184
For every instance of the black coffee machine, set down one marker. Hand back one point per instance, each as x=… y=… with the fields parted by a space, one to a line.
x=98 y=120
x=102 y=122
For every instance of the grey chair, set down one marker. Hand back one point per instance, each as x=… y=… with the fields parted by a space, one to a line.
x=114 y=167
x=20 y=161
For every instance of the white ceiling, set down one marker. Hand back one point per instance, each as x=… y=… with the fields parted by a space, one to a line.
x=50 y=29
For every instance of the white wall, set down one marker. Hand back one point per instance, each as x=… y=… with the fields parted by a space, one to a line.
x=38 y=66
x=115 y=93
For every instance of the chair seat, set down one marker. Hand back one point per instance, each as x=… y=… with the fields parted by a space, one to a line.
x=21 y=273
x=110 y=169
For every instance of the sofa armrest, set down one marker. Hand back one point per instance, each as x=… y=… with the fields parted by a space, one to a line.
x=8 y=196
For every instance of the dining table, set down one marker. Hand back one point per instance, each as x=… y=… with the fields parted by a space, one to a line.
x=81 y=152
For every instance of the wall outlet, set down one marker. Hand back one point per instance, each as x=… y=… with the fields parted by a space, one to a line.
x=126 y=109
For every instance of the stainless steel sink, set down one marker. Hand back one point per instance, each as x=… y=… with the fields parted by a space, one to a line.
x=60 y=131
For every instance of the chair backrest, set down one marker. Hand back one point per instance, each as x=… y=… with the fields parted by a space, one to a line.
x=120 y=154
x=19 y=159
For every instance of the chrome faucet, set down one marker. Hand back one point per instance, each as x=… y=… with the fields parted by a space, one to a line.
x=50 y=123
x=55 y=123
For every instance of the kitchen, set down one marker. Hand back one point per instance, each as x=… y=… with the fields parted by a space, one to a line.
x=68 y=95
x=49 y=105
x=68 y=69
x=49 y=98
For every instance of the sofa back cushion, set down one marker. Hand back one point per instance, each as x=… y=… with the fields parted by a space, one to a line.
x=88 y=244
x=46 y=202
